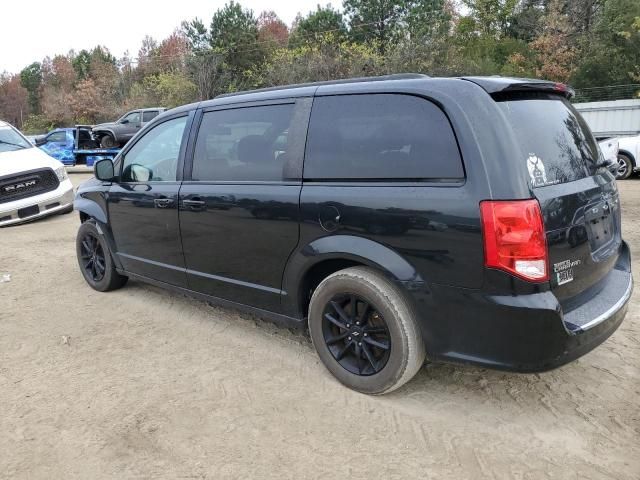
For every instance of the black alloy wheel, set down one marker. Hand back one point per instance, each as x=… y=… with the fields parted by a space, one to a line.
x=356 y=334
x=92 y=257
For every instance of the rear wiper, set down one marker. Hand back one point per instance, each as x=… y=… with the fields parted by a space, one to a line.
x=12 y=144
x=608 y=164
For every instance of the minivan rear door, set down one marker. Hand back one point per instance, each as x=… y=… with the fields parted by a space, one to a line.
x=577 y=194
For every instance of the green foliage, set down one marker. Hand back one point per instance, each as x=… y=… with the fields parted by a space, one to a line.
x=321 y=25
x=589 y=43
x=31 y=79
x=35 y=124
x=81 y=64
x=324 y=61
x=492 y=17
x=376 y=22
x=611 y=54
x=234 y=35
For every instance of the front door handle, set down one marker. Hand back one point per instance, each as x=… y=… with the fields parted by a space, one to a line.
x=163 y=202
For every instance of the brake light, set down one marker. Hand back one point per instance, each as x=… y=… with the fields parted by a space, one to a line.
x=560 y=87
x=514 y=238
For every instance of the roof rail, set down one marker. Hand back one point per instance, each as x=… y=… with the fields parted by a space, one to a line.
x=382 y=78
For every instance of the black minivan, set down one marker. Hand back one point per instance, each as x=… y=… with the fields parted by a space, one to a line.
x=401 y=218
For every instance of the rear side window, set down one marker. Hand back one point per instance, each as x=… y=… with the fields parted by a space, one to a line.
x=148 y=116
x=556 y=142
x=243 y=144
x=380 y=136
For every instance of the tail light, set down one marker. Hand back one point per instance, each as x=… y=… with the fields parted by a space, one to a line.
x=514 y=239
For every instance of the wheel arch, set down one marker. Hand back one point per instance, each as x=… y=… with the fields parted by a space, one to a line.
x=102 y=131
x=327 y=255
x=91 y=210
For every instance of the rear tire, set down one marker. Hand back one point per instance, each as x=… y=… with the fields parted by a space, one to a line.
x=94 y=260
x=375 y=346
x=625 y=167
x=108 y=141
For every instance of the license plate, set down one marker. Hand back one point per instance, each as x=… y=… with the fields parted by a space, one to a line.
x=565 y=276
x=28 y=211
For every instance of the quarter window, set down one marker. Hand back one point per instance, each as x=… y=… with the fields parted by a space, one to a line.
x=155 y=156
x=377 y=137
x=243 y=144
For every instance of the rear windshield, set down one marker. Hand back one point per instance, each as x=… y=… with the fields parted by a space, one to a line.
x=554 y=138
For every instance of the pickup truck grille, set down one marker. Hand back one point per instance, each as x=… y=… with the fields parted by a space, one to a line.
x=27 y=184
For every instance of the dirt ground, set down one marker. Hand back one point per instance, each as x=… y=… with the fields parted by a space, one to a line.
x=141 y=383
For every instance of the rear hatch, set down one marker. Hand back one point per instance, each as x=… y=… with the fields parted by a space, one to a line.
x=579 y=198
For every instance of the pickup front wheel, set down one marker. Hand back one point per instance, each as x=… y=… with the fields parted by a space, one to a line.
x=107 y=141
x=625 y=167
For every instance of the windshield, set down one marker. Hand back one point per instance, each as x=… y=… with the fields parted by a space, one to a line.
x=556 y=142
x=11 y=140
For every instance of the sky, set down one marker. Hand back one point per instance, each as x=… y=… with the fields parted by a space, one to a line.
x=31 y=30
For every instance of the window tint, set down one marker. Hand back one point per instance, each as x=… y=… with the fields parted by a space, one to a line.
x=378 y=137
x=148 y=116
x=243 y=144
x=155 y=156
x=133 y=117
x=58 y=137
x=556 y=142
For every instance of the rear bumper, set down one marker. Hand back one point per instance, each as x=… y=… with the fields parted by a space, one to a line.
x=48 y=203
x=525 y=333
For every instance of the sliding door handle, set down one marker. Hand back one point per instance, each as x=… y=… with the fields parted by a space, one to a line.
x=163 y=202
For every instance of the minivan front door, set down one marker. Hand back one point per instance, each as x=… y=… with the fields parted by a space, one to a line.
x=239 y=210
x=143 y=204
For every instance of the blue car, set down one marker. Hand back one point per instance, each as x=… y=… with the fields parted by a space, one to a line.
x=74 y=146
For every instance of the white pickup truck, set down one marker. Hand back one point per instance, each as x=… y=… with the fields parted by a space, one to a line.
x=616 y=119
x=628 y=155
x=32 y=184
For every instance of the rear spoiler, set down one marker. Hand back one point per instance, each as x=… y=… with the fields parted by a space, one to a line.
x=498 y=85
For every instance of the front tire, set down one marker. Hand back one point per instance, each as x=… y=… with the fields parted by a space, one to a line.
x=365 y=332
x=625 y=167
x=94 y=260
x=108 y=141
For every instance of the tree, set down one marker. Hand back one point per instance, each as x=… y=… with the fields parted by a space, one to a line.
x=31 y=79
x=556 y=54
x=492 y=17
x=272 y=32
x=58 y=84
x=429 y=19
x=234 y=34
x=197 y=35
x=611 y=51
x=377 y=22
x=318 y=26
x=81 y=64
x=14 y=104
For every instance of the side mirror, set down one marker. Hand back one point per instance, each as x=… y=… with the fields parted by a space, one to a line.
x=39 y=141
x=103 y=170
x=124 y=121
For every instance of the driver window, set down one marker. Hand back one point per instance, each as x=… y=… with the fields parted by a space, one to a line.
x=154 y=158
x=133 y=117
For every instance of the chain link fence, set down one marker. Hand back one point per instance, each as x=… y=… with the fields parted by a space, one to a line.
x=610 y=92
